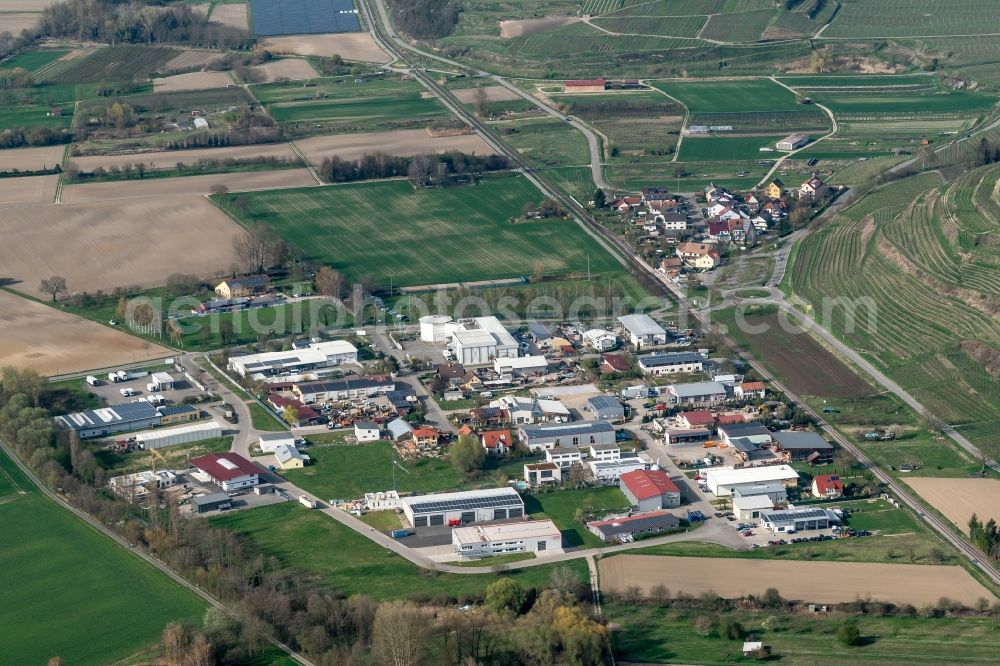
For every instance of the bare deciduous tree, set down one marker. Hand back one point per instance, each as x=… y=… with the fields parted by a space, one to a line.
x=254 y=247
x=329 y=282
x=398 y=634
x=53 y=286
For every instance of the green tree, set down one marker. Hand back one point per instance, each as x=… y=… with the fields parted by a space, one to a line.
x=849 y=634
x=505 y=596
x=600 y=199
x=467 y=455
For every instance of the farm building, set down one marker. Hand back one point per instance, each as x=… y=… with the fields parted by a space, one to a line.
x=211 y=502
x=564 y=456
x=229 y=470
x=697 y=393
x=728 y=481
x=827 y=486
x=157 y=439
x=667 y=363
x=317 y=355
x=161 y=381
x=600 y=340
x=798 y=520
x=533 y=536
x=610 y=471
x=792 y=142
x=642 y=331
x=270 y=441
x=174 y=414
x=111 y=419
x=539 y=474
x=343 y=389
x=650 y=490
x=244 y=286
x=137 y=485
x=479 y=340
x=626 y=528
x=470 y=506
x=606 y=408
x=585 y=85
x=520 y=366
x=582 y=433
x=289 y=457
x=750 y=507
x=803 y=445
x=366 y=431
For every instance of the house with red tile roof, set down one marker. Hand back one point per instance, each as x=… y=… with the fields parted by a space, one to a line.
x=827 y=486
x=497 y=442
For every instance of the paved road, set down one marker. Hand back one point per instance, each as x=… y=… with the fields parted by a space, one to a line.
x=244 y=434
x=147 y=558
x=431 y=409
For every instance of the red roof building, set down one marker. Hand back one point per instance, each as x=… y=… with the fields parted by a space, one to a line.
x=730 y=419
x=697 y=419
x=229 y=470
x=585 y=85
x=497 y=442
x=614 y=363
x=650 y=490
x=827 y=486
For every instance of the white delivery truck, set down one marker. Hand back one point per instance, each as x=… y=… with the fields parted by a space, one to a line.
x=308 y=502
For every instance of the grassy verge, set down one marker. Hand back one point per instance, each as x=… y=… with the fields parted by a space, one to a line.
x=263 y=419
x=334 y=556
x=560 y=506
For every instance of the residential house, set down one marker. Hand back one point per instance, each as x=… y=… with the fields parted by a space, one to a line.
x=490 y=418
x=750 y=391
x=614 y=363
x=425 y=439
x=532 y=410
x=827 y=486
x=696 y=419
x=564 y=456
x=366 y=431
x=698 y=255
x=289 y=457
x=603 y=452
x=671 y=266
x=600 y=340
x=243 y=286
x=774 y=189
x=812 y=187
x=543 y=473
x=497 y=442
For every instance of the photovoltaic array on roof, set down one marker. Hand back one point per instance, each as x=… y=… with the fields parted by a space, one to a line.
x=298 y=17
x=465 y=504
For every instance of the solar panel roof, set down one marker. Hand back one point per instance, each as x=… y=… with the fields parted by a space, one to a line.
x=296 y=17
x=431 y=506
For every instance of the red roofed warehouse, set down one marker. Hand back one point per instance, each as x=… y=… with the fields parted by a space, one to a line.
x=827 y=486
x=229 y=470
x=650 y=490
x=585 y=85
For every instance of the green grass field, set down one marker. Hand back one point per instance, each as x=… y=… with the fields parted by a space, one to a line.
x=414 y=237
x=708 y=96
x=72 y=592
x=900 y=18
x=33 y=60
x=560 y=506
x=109 y=63
x=336 y=557
x=263 y=419
x=721 y=148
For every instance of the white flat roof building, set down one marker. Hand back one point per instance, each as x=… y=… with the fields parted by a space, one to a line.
x=470 y=506
x=599 y=339
x=521 y=365
x=722 y=482
x=750 y=508
x=157 y=439
x=480 y=340
x=137 y=484
x=316 y=355
x=270 y=441
x=533 y=536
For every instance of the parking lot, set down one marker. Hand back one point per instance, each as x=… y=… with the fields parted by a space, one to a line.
x=112 y=392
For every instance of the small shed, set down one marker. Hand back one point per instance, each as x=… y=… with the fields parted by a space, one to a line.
x=162 y=381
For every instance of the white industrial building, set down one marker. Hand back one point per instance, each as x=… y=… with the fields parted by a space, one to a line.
x=270 y=441
x=600 y=340
x=581 y=434
x=520 y=366
x=609 y=471
x=434 y=328
x=316 y=355
x=162 y=381
x=137 y=484
x=642 y=331
x=668 y=363
x=534 y=536
x=470 y=506
x=790 y=521
x=727 y=481
x=751 y=507
x=157 y=439
x=480 y=340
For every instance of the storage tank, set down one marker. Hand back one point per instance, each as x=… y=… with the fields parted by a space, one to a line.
x=433 y=328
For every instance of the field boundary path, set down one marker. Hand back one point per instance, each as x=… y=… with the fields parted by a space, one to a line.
x=99 y=527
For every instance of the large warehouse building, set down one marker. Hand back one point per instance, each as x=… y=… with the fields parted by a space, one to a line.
x=727 y=481
x=582 y=434
x=650 y=490
x=157 y=439
x=471 y=506
x=111 y=419
x=229 y=470
x=532 y=536
x=316 y=355
x=480 y=340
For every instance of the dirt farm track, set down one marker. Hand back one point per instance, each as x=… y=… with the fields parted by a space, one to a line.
x=41 y=338
x=958 y=499
x=108 y=244
x=818 y=582
x=160 y=187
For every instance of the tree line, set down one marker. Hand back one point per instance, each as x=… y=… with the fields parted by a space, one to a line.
x=985 y=537
x=425 y=19
x=18 y=137
x=421 y=168
x=507 y=623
